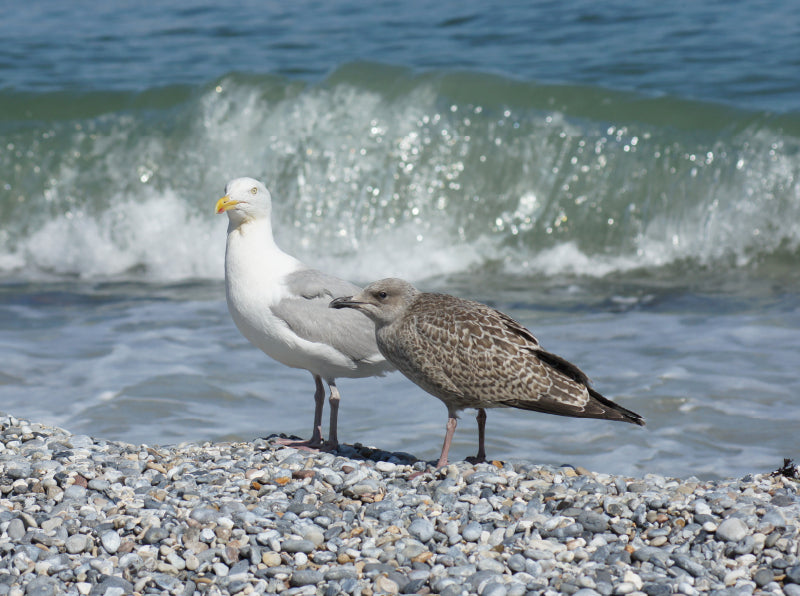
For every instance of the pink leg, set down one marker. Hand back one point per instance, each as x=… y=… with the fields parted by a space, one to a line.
x=333 y=435
x=452 y=421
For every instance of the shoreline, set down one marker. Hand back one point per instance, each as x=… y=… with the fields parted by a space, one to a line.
x=85 y=516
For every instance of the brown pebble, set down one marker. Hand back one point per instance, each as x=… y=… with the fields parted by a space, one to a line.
x=423 y=557
x=232 y=553
x=302 y=474
x=223 y=534
x=125 y=547
x=385 y=585
x=151 y=465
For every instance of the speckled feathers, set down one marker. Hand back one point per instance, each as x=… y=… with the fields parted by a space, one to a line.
x=470 y=355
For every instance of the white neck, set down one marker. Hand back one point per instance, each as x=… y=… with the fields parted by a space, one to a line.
x=251 y=247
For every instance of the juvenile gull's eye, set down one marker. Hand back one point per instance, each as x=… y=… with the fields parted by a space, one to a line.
x=382 y=295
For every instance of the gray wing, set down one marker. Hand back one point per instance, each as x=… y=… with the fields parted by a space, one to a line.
x=308 y=315
x=310 y=283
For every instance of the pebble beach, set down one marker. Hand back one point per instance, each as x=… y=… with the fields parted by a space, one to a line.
x=86 y=516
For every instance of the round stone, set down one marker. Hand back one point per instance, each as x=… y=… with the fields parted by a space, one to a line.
x=16 y=529
x=384 y=585
x=76 y=543
x=494 y=589
x=297 y=546
x=421 y=529
x=111 y=541
x=791 y=589
x=763 y=576
x=732 y=529
x=271 y=559
x=489 y=564
x=793 y=574
x=472 y=531
x=305 y=577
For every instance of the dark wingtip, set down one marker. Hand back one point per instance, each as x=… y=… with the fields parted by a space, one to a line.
x=622 y=414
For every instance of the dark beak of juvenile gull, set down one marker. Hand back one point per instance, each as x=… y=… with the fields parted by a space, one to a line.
x=345 y=302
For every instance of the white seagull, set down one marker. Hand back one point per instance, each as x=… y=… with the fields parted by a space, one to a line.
x=281 y=305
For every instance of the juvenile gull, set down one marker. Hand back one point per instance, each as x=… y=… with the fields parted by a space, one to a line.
x=472 y=356
x=281 y=305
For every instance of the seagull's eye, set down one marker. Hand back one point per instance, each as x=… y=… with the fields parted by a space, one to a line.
x=254 y=191
x=382 y=295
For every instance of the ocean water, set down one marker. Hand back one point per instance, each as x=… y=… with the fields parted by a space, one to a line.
x=623 y=179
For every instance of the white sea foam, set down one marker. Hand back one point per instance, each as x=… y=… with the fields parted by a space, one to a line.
x=368 y=186
x=160 y=235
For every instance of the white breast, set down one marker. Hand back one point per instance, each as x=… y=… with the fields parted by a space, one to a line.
x=255 y=270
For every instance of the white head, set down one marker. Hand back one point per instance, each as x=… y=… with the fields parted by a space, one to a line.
x=384 y=301
x=245 y=199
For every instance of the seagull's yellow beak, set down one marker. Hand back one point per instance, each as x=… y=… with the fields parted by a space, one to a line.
x=224 y=204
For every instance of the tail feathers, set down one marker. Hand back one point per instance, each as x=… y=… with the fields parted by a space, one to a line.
x=615 y=411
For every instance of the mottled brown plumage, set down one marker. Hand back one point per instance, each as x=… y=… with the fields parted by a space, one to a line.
x=470 y=355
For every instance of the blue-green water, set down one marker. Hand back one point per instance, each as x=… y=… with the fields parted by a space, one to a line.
x=621 y=178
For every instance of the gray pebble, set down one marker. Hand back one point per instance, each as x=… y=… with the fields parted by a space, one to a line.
x=75 y=492
x=341 y=572
x=306 y=577
x=516 y=562
x=650 y=554
x=16 y=529
x=793 y=574
x=657 y=589
x=110 y=541
x=494 y=589
x=732 y=529
x=452 y=589
x=204 y=514
x=155 y=535
x=42 y=586
x=489 y=564
x=109 y=584
x=297 y=546
x=593 y=522
x=77 y=543
x=763 y=576
x=472 y=531
x=480 y=510
x=421 y=529
x=254 y=516
x=689 y=565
